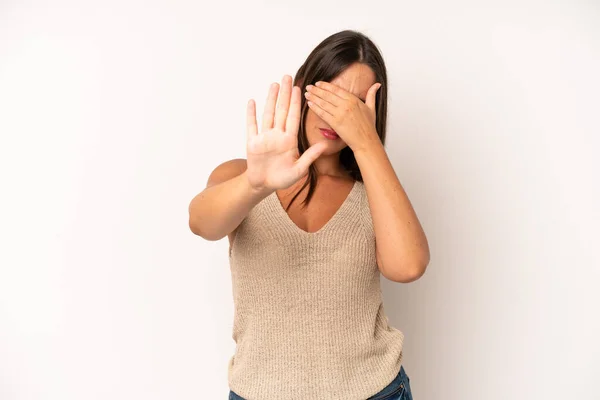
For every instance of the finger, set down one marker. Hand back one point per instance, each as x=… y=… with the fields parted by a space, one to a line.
x=269 y=113
x=308 y=157
x=335 y=89
x=293 y=119
x=371 y=95
x=325 y=105
x=324 y=115
x=324 y=94
x=251 y=126
x=284 y=102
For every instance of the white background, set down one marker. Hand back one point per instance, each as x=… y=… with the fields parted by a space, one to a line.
x=113 y=114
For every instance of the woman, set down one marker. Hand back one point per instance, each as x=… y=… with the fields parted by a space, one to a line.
x=309 y=321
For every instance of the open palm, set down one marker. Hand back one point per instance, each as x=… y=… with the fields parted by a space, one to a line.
x=273 y=160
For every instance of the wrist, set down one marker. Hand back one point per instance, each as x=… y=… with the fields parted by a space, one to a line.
x=368 y=147
x=257 y=192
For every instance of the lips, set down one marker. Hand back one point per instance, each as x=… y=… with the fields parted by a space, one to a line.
x=329 y=134
x=329 y=131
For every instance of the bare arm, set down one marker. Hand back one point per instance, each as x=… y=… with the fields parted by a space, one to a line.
x=225 y=202
x=402 y=247
x=273 y=162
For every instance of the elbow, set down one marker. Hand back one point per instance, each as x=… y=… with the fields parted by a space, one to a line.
x=408 y=272
x=197 y=225
x=194 y=228
x=197 y=230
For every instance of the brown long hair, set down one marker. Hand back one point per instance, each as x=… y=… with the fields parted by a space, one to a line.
x=330 y=58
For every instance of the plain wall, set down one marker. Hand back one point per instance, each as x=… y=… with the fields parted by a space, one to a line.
x=114 y=113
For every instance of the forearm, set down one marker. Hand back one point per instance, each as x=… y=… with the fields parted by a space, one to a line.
x=401 y=242
x=219 y=209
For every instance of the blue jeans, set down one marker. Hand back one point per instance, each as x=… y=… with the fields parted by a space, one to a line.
x=398 y=389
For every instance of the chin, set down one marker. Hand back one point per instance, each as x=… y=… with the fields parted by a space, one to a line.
x=333 y=146
x=332 y=151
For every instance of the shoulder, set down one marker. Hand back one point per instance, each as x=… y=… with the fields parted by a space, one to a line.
x=363 y=201
x=360 y=189
x=227 y=170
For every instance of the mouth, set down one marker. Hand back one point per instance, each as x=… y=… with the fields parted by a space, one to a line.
x=328 y=133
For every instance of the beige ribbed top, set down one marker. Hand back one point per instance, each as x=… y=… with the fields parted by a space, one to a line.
x=309 y=322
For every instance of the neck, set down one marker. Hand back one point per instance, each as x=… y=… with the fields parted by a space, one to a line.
x=330 y=165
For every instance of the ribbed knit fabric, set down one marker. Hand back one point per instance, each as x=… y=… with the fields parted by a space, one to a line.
x=309 y=322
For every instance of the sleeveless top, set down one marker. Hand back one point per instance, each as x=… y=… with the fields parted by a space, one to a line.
x=309 y=321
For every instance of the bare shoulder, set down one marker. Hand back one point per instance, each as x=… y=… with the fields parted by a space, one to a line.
x=227 y=170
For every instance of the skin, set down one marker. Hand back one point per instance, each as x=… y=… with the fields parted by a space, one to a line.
x=402 y=247
x=347 y=106
x=334 y=183
x=356 y=79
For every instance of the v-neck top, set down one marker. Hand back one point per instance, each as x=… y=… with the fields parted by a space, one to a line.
x=279 y=212
x=309 y=321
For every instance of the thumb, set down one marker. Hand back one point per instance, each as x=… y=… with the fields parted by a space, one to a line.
x=370 y=100
x=308 y=157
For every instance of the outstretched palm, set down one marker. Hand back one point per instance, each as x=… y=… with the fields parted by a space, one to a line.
x=273 y=160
